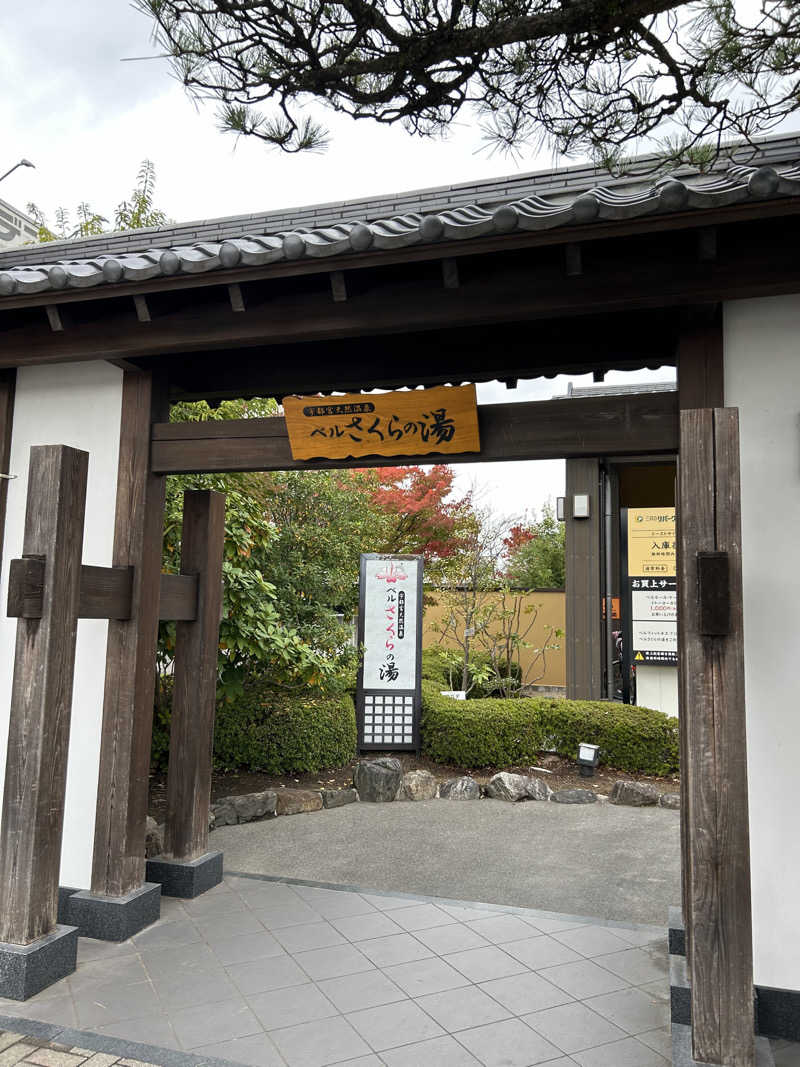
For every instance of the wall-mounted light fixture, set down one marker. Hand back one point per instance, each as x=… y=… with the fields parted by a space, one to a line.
x=581 y=506
x=561 y=508
x=588 y=759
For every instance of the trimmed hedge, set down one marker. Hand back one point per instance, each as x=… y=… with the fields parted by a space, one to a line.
x=507 y=733
x=275 y=733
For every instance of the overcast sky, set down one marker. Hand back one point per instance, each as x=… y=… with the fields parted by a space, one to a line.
x=86 y=118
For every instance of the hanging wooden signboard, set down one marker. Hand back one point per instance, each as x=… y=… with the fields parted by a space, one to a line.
x=390 y=633
x=415 y=422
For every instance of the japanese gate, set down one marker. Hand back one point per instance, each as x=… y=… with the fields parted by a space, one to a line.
x=455 y=285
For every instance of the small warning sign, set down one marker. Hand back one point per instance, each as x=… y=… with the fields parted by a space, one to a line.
x=639 y=656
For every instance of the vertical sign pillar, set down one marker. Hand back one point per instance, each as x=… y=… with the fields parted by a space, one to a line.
x=390 y=631
x=713 y=759
x=187 y=868
x=38 y=740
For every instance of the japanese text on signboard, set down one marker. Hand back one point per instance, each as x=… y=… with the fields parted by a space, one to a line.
x=412 y=422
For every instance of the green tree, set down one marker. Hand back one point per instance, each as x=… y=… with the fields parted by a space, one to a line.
x=586 y=76
x=536 y=553
x=133 y=214
x=292 y=545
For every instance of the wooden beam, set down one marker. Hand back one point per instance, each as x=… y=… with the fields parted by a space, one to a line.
x=142 y=310
x=54 y=318
x=338 y=286
x=714 y=756
x=195 y=690
x=236 y=297
x=41 y=699
x=495 y=292
x=450 y=278
x=573 y=260
x=701 y=376
x=8 y=380
x=119 y=860
x=178 y=599
x=587 y=426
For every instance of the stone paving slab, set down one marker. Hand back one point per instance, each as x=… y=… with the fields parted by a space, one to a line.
x=287 y=973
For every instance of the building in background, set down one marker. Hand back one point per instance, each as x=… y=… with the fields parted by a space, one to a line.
x=16 y=228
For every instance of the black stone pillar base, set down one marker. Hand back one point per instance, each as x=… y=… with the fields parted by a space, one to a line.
x=185 y=878
x=114 y=918
x=28 y=969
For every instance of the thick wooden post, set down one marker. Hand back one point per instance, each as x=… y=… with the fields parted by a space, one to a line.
x=713 y=760
x=195 y=684
x=8 y=380
x=583 y=600
x=41 y=699
x=119 y=861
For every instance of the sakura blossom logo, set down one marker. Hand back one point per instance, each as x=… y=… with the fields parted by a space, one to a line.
x=393 y=573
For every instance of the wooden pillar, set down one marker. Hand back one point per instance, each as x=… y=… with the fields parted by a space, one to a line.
x=584 y=633
x=7 y=384
x=195 y=683
x=41 y=698
x=713 y=760
x=701 y=384
x=119 y=860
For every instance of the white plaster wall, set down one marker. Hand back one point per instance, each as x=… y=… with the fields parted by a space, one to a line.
x=76 y=404
x=657 y=687
x=762 y=379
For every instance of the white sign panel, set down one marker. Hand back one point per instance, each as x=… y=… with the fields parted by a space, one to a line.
x=390 y=631
x=390 y=624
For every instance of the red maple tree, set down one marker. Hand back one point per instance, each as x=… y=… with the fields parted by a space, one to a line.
x=424 y=518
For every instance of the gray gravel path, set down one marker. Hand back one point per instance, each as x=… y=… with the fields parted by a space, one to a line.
x=599 y=860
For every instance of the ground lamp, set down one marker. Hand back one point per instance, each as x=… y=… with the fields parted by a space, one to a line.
x=587 y=759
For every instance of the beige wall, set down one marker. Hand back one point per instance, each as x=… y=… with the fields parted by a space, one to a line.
x=550 y=608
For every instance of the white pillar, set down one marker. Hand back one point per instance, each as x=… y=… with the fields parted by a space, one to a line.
x=762 y=379
x=76 y=404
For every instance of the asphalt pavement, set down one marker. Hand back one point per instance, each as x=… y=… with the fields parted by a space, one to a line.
x=597 y=860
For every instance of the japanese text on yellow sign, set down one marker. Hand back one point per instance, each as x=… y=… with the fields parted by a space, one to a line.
x=409 y=423
x=651 y=542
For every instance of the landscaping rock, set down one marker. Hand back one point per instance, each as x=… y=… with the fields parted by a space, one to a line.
x=154 y=838
x=378 y=780
x=538 y=789
x=506 y=786
x=418 y=785
x=635 y=794
x=465 y=788
x=337 y=798
x=251 y=806
x=224 y=813
x=212 y=819
x=514 y=787
x=670 y=800
x=295 y=801
x=574 y=796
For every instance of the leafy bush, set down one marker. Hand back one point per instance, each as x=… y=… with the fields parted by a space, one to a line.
x=444 y=668
x=274 y=732
x=503 y=733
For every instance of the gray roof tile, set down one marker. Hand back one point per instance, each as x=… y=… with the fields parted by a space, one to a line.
x=538 y=201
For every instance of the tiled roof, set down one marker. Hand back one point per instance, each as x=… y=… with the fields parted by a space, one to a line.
x=541 y=201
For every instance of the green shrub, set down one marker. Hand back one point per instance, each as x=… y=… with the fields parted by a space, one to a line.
x=279 y=734
x=442 y=666
x=504 y=733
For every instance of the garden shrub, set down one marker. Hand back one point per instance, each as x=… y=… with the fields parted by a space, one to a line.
x=274 y=732
x=512 y=732
x=441 y=665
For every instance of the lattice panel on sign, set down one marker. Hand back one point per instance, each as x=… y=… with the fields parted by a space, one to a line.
x=388 y=719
